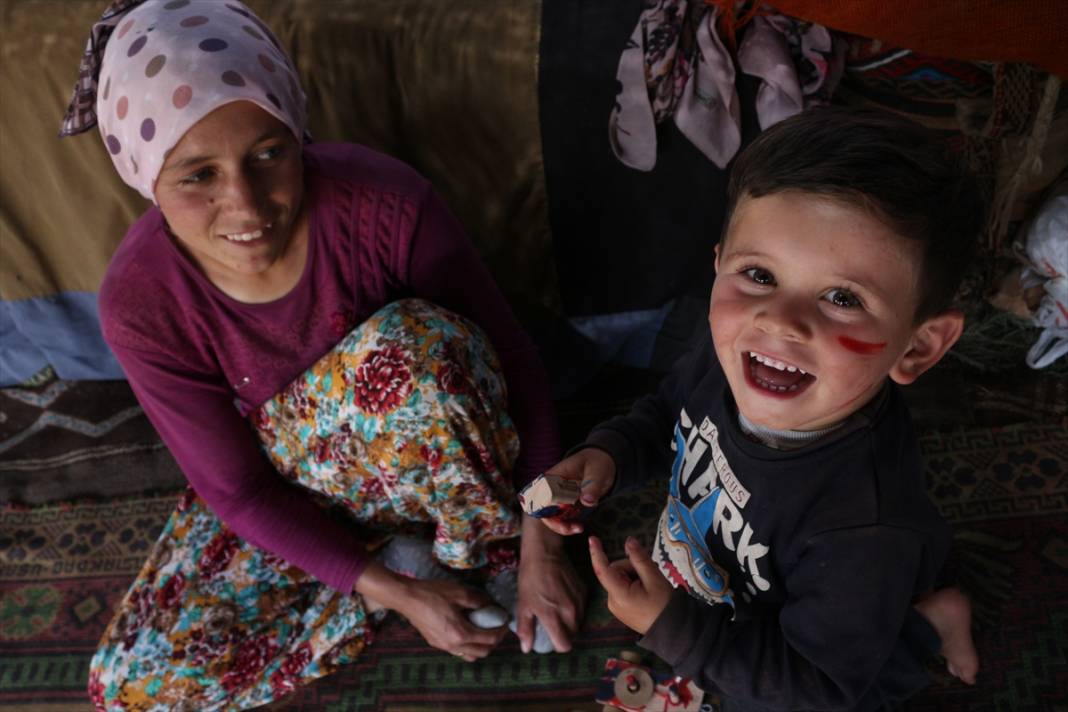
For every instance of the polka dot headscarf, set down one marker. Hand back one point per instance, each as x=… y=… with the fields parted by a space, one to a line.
x=169 y=63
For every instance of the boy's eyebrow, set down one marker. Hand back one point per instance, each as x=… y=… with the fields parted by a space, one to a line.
x=192 y=160
x=747 y=255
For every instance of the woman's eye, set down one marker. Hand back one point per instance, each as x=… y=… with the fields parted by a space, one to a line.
x=842 y=298
x=269 y=153
x=760 y=275
x=198 y=177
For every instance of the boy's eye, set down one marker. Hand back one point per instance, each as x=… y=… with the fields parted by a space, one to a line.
x=760 y=275
x=842 y=298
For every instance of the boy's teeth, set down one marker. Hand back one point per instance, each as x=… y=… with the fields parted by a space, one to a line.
x=775 y=364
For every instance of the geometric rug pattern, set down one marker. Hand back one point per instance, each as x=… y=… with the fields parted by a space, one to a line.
x=64 y=566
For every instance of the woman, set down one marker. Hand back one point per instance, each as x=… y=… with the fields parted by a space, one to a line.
x=263 y=313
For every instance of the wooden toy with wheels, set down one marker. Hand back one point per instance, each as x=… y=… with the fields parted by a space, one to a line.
x=628 y=685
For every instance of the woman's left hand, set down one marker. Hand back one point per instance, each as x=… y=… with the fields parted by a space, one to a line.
x=550 y=589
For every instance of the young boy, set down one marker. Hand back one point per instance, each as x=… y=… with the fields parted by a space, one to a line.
x=797 y=530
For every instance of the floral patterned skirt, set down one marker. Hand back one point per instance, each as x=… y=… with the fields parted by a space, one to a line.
x=401 y=427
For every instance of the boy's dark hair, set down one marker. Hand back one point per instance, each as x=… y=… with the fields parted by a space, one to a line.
x=902 y=172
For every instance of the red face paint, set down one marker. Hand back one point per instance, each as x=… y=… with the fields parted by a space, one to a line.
x=863 y=348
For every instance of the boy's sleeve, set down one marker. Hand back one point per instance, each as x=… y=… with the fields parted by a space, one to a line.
x=640 y=441
x=849 y=593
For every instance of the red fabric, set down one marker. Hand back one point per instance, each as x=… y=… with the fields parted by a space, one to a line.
x=1030 y=31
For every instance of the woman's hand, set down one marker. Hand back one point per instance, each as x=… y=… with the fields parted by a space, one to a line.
x=437 y=609
x=550 y=590
x=595 y=470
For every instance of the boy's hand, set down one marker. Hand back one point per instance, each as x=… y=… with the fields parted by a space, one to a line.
x=637 y=592
x=595 y=470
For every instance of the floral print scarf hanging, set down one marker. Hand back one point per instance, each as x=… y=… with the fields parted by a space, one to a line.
x=676 y=65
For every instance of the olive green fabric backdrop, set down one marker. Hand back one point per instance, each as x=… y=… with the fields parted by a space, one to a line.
x=450 y=86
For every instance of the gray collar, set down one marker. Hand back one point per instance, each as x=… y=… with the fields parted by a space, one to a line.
x=784 y=439
x=796 y=439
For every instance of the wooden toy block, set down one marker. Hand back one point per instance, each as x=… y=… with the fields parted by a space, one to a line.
x=628 y=685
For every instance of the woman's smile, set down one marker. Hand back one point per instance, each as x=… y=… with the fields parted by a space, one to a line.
x=249 y=237
x=232 y=192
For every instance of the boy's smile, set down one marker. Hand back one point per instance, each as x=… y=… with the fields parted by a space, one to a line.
x=812 y=307
x=779 y=378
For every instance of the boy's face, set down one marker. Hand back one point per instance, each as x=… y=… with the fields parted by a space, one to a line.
x=811 y=309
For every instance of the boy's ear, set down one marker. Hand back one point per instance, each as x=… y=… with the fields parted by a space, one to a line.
x=715 y=264
x=929 y=344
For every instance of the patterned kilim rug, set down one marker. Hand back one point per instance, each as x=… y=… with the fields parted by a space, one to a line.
x=63 y=567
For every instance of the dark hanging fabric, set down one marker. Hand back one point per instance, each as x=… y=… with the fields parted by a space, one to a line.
x=624 y=240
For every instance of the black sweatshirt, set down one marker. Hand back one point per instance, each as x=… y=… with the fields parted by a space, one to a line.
x=801 y=565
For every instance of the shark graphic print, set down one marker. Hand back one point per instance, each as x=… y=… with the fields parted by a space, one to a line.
x=706 y=502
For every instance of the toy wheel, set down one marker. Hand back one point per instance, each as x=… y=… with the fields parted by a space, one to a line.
x=634 y=687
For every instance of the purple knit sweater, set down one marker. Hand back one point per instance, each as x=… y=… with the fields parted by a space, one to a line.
x=377 y=233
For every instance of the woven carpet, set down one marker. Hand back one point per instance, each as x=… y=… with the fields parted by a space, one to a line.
x=63 y=567
x=67 y=439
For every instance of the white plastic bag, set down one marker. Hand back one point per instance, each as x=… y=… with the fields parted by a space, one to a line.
x=1045 y=253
